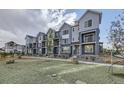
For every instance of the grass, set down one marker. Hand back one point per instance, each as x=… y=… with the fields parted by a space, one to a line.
x=38 y=71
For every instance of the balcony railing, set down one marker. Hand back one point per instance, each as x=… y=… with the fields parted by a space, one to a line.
x=88 y=38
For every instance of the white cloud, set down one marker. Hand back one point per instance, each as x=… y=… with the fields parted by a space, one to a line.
x=55 y=18
x=15 y=24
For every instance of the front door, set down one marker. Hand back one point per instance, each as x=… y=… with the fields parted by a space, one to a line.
x=34 y=51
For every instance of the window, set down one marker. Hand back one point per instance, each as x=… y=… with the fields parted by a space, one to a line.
x=65 y=41
x=30 y=45
x=56 y=35
x=88 y=23
x=65 y=32
x=88 y=49
x=43 y=44
x=78 y=28
x=44 y=37
x=89 y=38
x=73 y=29
x=40 y=38
x=66 y=49
x=39 y=45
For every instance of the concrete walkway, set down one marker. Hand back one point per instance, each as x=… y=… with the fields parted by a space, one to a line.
x=82 y=62
x=102 y=64
x=47 y=58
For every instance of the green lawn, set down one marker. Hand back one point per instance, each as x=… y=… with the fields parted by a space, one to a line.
x=37 y=71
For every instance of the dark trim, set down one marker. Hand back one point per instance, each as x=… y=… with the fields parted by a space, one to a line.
x=88 y=31
x=75 y=43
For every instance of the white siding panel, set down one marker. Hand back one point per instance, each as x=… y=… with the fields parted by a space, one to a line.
x=65 y=36
x=75 y=35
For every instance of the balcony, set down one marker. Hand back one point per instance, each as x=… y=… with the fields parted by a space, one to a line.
x=56 y=43
x=30 y=46
x=65 y=42
x=56 y=35
x=34 y=45
x=44 y=38
x=88 y=38
x=43 y=44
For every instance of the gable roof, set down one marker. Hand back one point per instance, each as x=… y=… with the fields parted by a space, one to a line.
x=92 y=11
x=29 y=36
x=50 y=29
x=63 y=25
x=11 y=42
x=40 y=33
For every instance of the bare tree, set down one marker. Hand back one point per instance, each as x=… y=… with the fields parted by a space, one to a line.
x=116 y=35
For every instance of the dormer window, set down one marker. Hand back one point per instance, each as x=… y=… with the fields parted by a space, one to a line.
x=88 y=23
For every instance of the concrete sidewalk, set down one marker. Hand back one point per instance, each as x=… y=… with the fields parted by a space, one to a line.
x=81 y=62
x=102 y=64
x=47 y=58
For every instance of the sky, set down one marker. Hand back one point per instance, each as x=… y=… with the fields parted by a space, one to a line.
x=16 y=24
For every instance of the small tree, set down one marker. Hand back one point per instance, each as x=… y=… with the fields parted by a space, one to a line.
x=50 y=37
x=116 y=36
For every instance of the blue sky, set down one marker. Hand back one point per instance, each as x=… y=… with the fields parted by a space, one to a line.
x=108 y=15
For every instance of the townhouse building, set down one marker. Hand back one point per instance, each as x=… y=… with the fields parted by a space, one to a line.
x=65 y=39
x=12 y=47
x=36 y=45
x=56 y=50
x=82 y=38
x=41 y=43
x=89 y=32
x=75 y=44
x=31 y=45
x=2 y=50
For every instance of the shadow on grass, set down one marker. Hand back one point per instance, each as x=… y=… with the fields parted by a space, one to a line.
x=120 y=75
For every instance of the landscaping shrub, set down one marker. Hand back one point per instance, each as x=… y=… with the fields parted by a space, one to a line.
x=10 y=62
x=93 y=58
x=19 y=56
x=23 y=53
x=86 y=58
x=74 y=60
x=4 y=55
